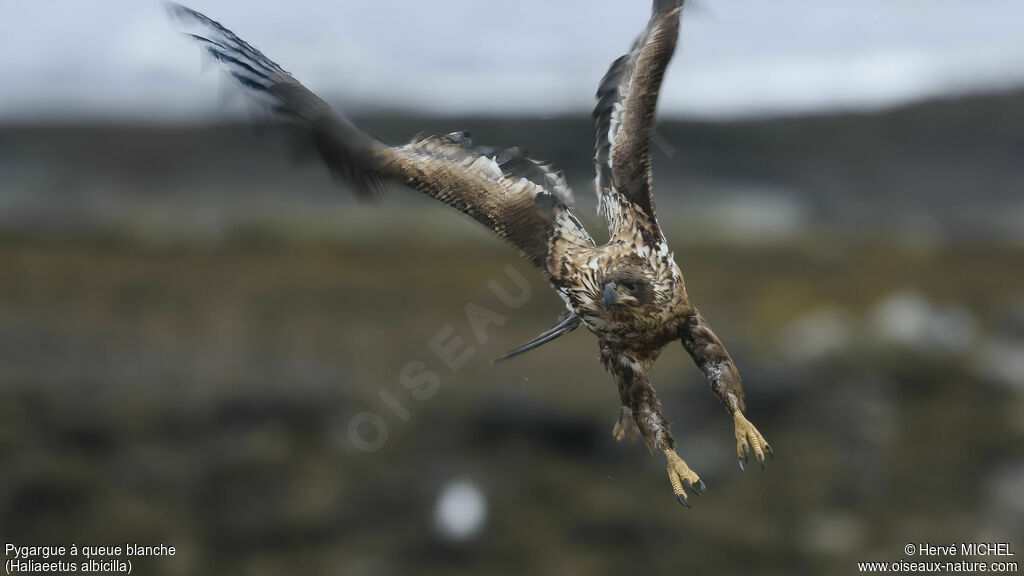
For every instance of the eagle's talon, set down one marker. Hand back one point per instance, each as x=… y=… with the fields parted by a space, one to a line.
x=697 y=488
x=749 y=441
x=740 y=462
x=682 y=478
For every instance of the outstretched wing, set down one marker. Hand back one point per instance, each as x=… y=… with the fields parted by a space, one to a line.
x=520 y=199
x=624 y=119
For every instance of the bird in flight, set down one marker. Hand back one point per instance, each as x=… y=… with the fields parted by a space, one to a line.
x=629 y=292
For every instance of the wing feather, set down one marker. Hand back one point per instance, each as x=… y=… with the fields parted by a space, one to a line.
x=624 y=121
x=521 y=199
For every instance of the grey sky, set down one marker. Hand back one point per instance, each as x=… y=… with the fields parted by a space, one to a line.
x=113 y=58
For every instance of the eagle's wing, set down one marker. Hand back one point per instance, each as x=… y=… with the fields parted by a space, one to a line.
x=520 y=199
x=624 y=119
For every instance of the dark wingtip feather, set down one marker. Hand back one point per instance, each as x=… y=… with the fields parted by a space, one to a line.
x=220 y=53
x=660 y=6
x=227 y=40
x=250 y=83
x=342 y=145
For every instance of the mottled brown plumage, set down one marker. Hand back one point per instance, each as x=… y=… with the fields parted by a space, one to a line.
x=629 y=292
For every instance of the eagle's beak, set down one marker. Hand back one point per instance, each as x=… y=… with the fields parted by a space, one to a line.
x=611 y=296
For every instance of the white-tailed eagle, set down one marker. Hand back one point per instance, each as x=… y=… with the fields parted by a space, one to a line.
x=629 y=292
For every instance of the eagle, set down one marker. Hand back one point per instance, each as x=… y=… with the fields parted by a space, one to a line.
x=628 y=291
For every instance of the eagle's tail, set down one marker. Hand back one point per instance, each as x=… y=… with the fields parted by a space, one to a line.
x=345 y=148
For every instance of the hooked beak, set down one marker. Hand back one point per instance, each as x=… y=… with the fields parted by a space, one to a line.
x=611 y=296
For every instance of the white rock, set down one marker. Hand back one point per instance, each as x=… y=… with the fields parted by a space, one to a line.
x=908 y=318
x=814 y=336
x=1003 y=361
x=460 y=511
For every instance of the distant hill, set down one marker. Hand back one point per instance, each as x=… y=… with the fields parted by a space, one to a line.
x=949 y=167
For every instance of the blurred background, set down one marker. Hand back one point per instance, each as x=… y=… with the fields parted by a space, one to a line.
x=203 y=338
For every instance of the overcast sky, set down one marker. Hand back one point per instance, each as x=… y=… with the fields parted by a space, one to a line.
x=125 y=58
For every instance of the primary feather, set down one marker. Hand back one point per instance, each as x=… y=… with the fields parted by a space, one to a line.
x=624 y=121
x=521 y=199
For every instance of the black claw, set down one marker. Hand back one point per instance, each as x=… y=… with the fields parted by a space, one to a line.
x=690 y=487
x=682 y=500
x=770 y=451
x=760 y=460
x=699 y=488
x=746 y=451
x=740 y=461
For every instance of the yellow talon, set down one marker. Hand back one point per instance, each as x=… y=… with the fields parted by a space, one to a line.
x=680 y=476
x=748 y=440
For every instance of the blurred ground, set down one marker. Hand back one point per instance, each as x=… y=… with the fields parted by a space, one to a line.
x=188 y=327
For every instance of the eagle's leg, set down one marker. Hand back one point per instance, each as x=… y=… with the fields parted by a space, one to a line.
x=642 y=409
x=711 y=357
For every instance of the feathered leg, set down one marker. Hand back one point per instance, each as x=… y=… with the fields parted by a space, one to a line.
x=645 y=409
x=625 y=426
x=711 y=357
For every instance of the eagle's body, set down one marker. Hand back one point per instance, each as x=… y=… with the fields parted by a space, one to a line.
x=629 y=291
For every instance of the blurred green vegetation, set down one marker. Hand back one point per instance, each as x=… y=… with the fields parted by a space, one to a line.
x=201 y=396
x=188 y=325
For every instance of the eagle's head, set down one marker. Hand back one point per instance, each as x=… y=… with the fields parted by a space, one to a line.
x=627 y=287
x=639 y=297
